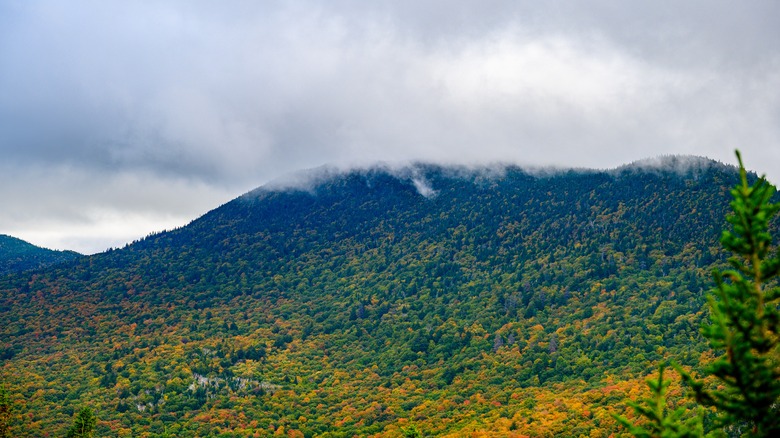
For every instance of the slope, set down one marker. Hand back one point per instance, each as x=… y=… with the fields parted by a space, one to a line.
x=461 y=300
x=17 y=255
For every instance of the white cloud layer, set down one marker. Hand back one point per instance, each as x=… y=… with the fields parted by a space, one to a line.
x=122 y=118
x=66 y=208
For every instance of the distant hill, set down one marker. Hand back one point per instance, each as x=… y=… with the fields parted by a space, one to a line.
x=17 y=255
x=494 y=300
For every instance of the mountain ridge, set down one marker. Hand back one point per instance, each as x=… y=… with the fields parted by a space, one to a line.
x=18 y=255
x=360 y=306
x=306 y=179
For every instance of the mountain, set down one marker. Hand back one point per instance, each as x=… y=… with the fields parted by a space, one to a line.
x=17 y=255
x=464 y=301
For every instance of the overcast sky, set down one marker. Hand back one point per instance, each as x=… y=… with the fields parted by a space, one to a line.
x=121 y=118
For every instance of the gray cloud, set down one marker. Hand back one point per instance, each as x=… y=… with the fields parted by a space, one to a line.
x=223 y=97
x=62 y=207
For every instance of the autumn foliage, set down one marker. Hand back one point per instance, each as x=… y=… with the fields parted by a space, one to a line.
x=502 y=303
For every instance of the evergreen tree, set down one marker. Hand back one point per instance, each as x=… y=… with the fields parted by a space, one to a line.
x=745 y=319
x=745 y=331
x=662 y=423
x=83 y=424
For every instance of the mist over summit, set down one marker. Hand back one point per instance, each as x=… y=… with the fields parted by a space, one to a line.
x=361 y=301
x=680 y=164
x=309 y=180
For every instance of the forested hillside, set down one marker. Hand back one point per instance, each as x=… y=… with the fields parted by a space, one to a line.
x=17 y=255
x=456 y=300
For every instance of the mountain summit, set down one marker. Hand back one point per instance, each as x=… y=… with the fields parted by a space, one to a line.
x=492 y=300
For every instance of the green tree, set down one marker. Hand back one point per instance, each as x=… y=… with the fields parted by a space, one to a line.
x=5 y=413
x=662 y=423
x=745 y=319
x=83 y=424
x=412 y=432
x=744 y=331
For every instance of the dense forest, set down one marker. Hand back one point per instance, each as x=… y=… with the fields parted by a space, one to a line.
x=453 y=301
x=17 y=255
